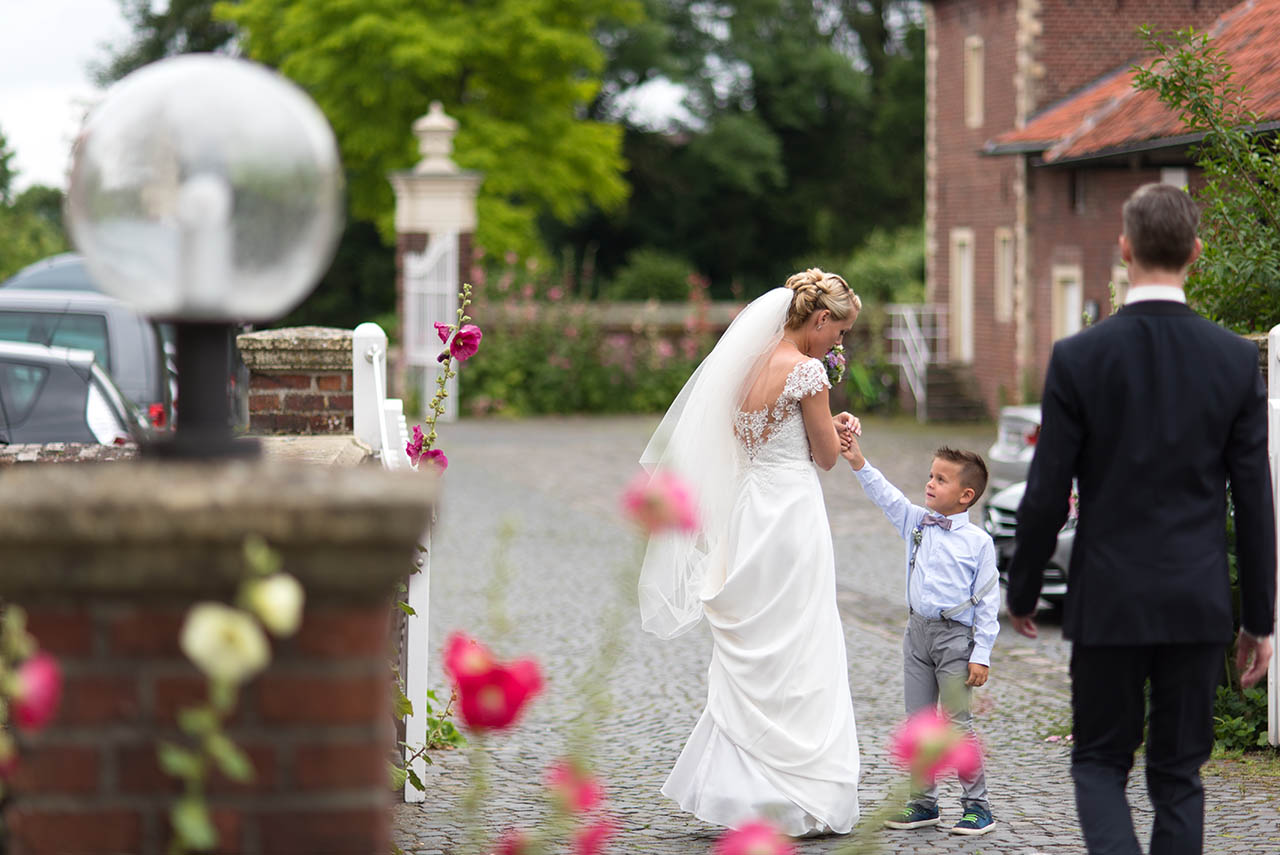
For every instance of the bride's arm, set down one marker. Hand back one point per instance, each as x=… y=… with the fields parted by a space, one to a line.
x=824 y=442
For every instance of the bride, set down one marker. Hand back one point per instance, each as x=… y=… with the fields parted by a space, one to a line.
x=777 y=738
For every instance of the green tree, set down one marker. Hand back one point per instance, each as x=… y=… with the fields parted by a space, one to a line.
x=31 y=222
x=178 y=27
x=1236 y=282
x=517 y=74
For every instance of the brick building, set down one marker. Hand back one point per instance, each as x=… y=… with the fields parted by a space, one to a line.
x=1034 y=138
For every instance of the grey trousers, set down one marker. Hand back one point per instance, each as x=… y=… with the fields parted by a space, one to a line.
x=935 y=660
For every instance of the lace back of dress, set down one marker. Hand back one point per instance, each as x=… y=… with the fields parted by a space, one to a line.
x=776 y=434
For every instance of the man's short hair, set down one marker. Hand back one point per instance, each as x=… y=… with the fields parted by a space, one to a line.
x=973 y=469
x=1160 y=222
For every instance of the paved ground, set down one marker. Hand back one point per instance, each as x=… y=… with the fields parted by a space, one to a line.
x=557 y=481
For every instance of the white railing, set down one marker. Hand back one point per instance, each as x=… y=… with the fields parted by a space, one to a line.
x=1273 y=450
x=917 y=338
x=431 y=295
x=379 y=422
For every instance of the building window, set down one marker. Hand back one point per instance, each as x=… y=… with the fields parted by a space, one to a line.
x=1003 y=290
x=1068 y=300
x=1076 y=191
x=973 y=81
x=1175 y=175
x=961 y=295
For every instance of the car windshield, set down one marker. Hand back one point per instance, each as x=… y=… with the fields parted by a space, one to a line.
x=19 y=388
x=58 y=329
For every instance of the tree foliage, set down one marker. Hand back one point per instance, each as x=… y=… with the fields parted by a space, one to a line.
x=518 y=76
x=30 y=221
x=1236 y=282
x=180 y=26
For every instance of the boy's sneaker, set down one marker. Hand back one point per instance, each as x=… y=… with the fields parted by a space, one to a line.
x=914 y=816
x=976 y=820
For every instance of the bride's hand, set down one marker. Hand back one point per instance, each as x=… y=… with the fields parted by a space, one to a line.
x=847 y=422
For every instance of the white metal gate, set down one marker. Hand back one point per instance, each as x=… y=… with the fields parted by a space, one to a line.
x=430 y=296
x=1273 y=446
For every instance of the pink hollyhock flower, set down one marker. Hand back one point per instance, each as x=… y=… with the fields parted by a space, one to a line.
x=491 y=694
x=928 y=743
x=444 y=331
x=466 y=342
x=593 y=839
x=577 y=791
x=39 y=689
x=754 y=838
x=512 y=843
x=414 y=446
x=660 y=502
x=555 y=294
x=437 y=458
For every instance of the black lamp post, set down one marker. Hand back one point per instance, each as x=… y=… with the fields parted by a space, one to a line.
x=206 y=190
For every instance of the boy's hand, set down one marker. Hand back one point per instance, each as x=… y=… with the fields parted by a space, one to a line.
x=851 y=451
x=977 y=675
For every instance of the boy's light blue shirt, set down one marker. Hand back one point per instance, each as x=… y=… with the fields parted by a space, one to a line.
x=951 y=566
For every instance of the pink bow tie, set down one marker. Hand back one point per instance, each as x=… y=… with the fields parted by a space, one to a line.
x=941 y=522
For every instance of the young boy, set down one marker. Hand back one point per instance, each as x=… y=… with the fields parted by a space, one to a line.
x=953 y=597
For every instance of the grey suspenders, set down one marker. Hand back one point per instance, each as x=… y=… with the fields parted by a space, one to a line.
x=948 y=614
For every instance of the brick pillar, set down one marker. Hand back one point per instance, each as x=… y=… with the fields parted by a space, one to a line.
x=299 y=380
x=108 y=559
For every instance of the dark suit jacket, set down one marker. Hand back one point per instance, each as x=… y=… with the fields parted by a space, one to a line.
x=1153 y=411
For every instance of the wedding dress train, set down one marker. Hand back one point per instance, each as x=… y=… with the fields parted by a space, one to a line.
x=777 y=739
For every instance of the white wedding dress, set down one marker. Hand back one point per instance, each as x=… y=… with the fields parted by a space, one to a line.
x=777 y=739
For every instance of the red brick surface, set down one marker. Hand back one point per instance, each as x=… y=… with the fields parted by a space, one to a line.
x=98 y=699
x=339 y=766
x=342 y=633
x=328 y=699
x=61 y=631
x=58 y=768
x=264 y=382
x=146 y=632
x=326 y=832
x=82 y=832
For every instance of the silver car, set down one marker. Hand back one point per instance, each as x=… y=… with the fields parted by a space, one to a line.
x=1016 y=435
x=1002 y=524
x=58 y=394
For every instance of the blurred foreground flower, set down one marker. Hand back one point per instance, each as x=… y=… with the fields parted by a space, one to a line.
x=660 y=502
x=928 y=743
x=277 y=601
x=491 y=693
x=754 y=838
x=37 y=692
x=513 y=843
x=577 y=791
x=224 y=643
x=593 y=839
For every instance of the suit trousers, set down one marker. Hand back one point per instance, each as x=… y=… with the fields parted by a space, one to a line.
x=1109 y=703
x=935 y=662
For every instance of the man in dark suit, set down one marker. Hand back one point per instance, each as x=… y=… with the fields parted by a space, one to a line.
x=1153 y=411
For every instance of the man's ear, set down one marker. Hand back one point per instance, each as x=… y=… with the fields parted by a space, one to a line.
x=1126 y=250
x=1195 y=252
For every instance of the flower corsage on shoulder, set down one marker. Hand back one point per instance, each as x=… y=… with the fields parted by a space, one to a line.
x=834 y=362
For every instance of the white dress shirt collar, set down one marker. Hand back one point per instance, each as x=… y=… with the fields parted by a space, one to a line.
x=1140 y=293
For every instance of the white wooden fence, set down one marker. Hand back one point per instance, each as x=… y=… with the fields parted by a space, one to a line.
x=379 y=422
x=431 y=295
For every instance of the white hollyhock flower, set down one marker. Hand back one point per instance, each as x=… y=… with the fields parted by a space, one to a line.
x=277 y=601
x=224 y=643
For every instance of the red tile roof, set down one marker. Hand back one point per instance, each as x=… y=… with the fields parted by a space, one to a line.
x=1110 y=116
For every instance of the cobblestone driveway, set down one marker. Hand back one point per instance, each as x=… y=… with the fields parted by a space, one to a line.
x=558 y=481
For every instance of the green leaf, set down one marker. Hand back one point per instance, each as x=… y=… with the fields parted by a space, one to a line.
x=415 y=780
x=403 y=706
x=190 y=818
x=406 y=608
x=198 y=721
x=231 y=759
x=179 y=762
x=398 y=776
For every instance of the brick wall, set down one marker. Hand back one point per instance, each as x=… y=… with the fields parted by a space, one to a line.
x=299 y=380
x=106 y=560
x=315 y=728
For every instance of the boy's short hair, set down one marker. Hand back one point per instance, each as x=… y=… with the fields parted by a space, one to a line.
x=973 y=469
x=1160 y=223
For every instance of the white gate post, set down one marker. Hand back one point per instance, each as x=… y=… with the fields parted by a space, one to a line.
x=1273 y=449
x=368 y=360
x=417 y=658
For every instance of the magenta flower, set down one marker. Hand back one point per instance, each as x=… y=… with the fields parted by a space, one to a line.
x=466 y=342
x=39 y=688
x=512 y=843
x=437 y=458
x=660 y=502
x=593 y=839
x=492 y=694
x=414 y=446
x=576 y=790
x=928 y=743
x=444 y=331
x=754 y=838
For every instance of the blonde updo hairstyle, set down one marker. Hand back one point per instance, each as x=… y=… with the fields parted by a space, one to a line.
x=814 y=290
